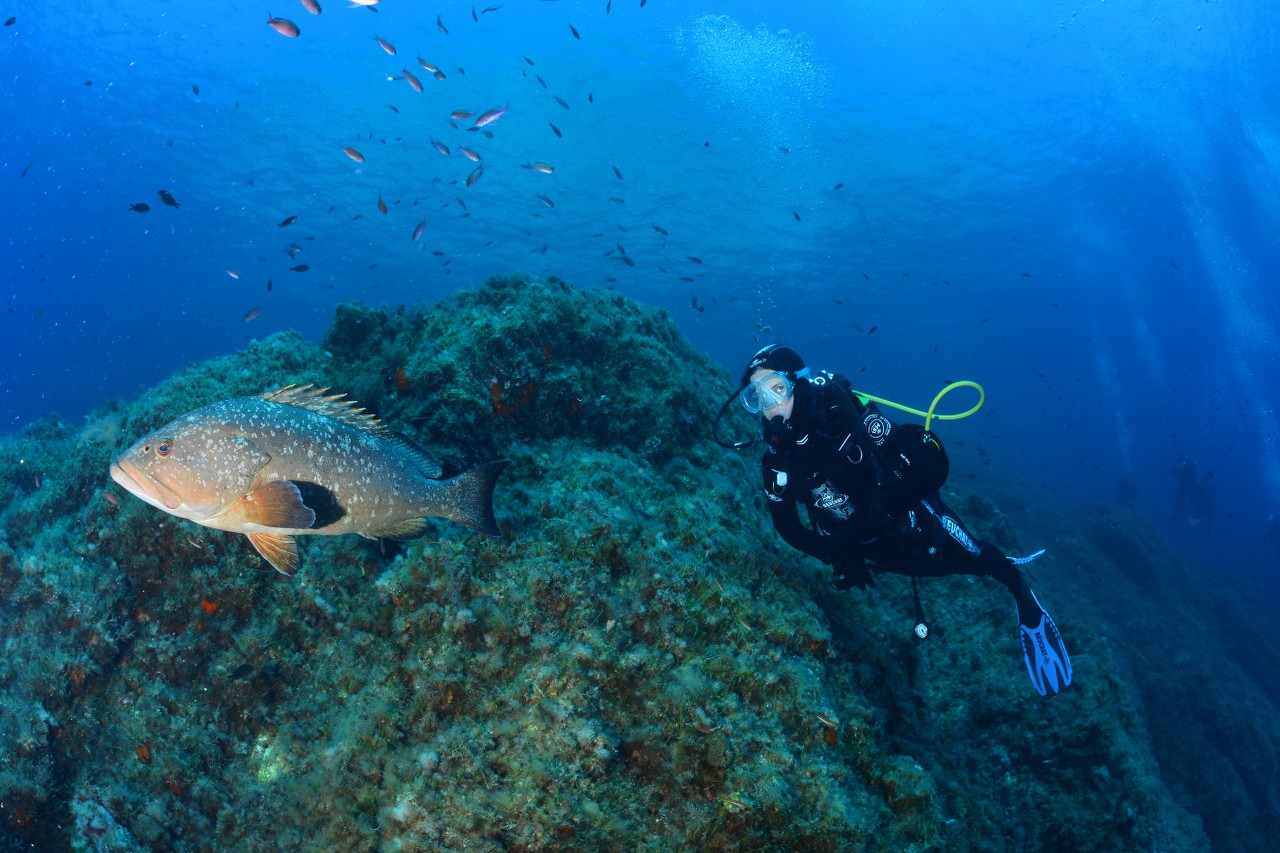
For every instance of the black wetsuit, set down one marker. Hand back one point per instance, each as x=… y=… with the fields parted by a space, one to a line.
x=862 y=521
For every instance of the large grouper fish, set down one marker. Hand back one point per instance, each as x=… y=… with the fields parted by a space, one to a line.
x=297 y=462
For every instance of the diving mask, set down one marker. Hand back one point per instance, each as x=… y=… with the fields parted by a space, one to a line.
x=767 y=392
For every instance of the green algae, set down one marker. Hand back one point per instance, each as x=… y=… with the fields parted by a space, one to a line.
x=636 y=664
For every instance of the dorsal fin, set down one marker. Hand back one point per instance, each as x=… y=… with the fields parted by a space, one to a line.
x=425 y=461
x=331 y=406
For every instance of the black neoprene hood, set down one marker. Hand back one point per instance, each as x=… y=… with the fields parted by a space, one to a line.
x=775 y=357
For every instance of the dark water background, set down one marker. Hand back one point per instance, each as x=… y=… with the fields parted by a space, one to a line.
x=1075 y=205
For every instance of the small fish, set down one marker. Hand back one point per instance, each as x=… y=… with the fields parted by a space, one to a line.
x=440 y=146
x=591 y=98
x=561 y=101
x=544 y=168
x=461 y=115
x=293 y=249
x=382 y=205
x=297 y=462
x=417 y=232
x=27 y=169
x=393 y=108
x=838 y=186
x=489 y=10
x=311 y=6
x=626 y=260
x=438 y=74
x=796 y=215
x=608 y=6
x=574 y=30
x=490 y=116
x=541 y=82
x=251 y=315
x=167 y=198
x=617 y=199
x=288 y=220
x=111 y=499
x=427 y=66
x=474 y=16
x=299 y=268
x=617 y=173
x=548 y=202
x=527 y=59
x=366 y=3
x=440 y=25
x=11 y=22
x=387 y=47
x=462 y=203
x=475 y=175
x=269 y=285
x=233 y=274
x=244 y=670
x=195 y=89
x=413 y=82
x=284 y=26
x=140 y=207
x=694 y=258
x=469 y=154
x=353 y=154
x=556 y=131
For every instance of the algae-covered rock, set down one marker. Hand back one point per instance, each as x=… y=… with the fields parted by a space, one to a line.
x=637 y=663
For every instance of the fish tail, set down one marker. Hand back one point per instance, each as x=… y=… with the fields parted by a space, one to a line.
x=469 y=496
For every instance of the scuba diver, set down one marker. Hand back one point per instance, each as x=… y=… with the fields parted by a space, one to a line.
x=870 y=490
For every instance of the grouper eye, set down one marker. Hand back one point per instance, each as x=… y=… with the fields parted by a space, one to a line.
x=164 y=448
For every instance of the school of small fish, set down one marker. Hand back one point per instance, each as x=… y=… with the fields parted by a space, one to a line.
x=484 y=121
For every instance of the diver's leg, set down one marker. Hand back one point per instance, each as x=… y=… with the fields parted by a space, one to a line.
x=940 y=544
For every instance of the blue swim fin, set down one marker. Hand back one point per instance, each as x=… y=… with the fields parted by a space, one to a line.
x=1047 y=660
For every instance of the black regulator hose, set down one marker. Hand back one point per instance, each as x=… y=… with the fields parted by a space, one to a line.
x=715 y=427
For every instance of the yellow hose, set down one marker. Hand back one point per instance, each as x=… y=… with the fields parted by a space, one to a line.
x=929 y=415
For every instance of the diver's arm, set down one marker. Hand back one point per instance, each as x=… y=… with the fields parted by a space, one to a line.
x=843 y=553
x=786 y=520
x=783 y=510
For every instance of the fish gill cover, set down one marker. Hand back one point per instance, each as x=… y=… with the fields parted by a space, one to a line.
x=634 y=664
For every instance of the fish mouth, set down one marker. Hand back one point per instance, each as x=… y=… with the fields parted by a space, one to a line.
x=149 y=489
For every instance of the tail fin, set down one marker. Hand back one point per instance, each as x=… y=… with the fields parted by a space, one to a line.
x=468 y=497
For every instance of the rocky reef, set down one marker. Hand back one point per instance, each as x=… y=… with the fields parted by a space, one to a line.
x=637 y=663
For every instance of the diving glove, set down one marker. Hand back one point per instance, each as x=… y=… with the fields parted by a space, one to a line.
x=1047 y=660
x=848 y=574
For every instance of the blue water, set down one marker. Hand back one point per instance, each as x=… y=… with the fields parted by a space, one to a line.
x=1075 y=206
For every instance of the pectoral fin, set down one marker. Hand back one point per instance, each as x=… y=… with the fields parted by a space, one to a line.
x=276 y=504
x=278 y=550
